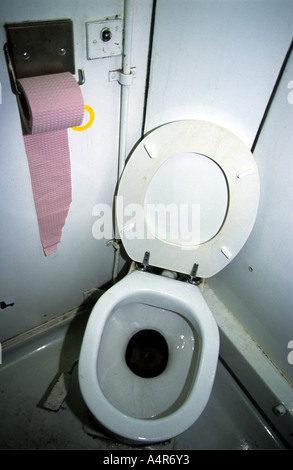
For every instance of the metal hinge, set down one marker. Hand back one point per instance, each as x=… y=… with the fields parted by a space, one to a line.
x=192 y=278
x=145 y=263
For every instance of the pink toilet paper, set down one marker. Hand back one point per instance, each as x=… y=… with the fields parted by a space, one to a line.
x=48 y=105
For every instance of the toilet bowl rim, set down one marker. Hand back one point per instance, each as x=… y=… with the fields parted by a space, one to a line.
x=149 y=288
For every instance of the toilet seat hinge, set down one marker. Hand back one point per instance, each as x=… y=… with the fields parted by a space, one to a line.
x=192 y=278
x=145 y=263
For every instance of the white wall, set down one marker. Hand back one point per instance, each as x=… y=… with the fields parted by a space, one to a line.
x=44 y=287
x=219 y=61
x=263 y=296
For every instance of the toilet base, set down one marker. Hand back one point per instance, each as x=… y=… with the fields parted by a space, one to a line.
x=95 y=429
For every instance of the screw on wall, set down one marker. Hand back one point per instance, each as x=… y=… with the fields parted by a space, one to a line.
x=279 y=410
x=7 y=302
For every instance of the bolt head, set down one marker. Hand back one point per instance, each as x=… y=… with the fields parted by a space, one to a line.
x=106 y=34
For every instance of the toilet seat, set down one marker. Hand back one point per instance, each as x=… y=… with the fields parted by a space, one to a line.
x=196 y=150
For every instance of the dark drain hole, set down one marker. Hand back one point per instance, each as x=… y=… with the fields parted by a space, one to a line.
x=147 y=353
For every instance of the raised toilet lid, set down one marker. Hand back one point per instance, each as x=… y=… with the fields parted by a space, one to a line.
x=188 y=195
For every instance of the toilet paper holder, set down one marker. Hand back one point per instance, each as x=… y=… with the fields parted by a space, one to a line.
x=39 y=48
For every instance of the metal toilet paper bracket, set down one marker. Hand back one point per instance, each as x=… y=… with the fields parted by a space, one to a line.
x=40 y=48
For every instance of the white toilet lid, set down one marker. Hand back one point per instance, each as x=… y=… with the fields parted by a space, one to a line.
x=188 y=195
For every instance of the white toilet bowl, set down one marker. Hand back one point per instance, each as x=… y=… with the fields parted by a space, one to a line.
x=150 y=349
x=152 y=409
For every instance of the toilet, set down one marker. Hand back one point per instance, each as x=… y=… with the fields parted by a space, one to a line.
x=186 y=203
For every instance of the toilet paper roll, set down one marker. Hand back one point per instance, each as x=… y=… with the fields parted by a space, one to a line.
x=48 y=106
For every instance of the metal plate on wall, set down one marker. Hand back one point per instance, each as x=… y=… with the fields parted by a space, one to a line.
x=104 y=38
x=40 y=48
